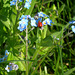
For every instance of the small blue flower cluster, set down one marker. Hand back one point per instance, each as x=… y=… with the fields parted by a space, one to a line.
x=34 y=20
x=5 y=56
x=24 y=22
x=73 y=27
x=27 y=3
x=46 y=19
x=11 y=67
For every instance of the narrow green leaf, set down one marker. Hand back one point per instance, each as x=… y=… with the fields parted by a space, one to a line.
x=61 y=9
x=69 y=71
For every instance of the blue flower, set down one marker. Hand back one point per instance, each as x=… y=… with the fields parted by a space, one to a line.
x=39 y=19
x=33 y=22
x=6 y=53
x=20 y=0
x=13 y=2
x=4 y=59
x=5 y=56
x=8 y=68
x=47 y=21
x=15 y=67
x=23 y=22
x=27 y=5
x=41 y=14
x=25 y=17
x=73 y=28
x=22 y=27
x=72 y=22
x=29 y=1
x=44 y=22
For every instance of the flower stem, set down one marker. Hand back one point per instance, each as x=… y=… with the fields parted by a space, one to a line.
x=26 y=50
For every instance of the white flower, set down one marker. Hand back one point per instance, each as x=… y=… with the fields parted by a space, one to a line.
x=8 y=68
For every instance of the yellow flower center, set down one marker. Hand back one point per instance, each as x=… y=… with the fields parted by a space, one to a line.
x=47 y=21
x=6 y=54
x=13 y=2
x=28 y=0
x=23 y=22
x=44 y=22
x=23 y=18
x=41 y=15
x=8 y=67
x=4 y=59
x=22 y=27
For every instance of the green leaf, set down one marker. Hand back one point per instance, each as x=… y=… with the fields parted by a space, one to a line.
x=13 y=18
x=48 y=41
x=5 y=21
x=69 y=71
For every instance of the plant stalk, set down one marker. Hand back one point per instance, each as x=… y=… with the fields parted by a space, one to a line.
x=26 y=50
